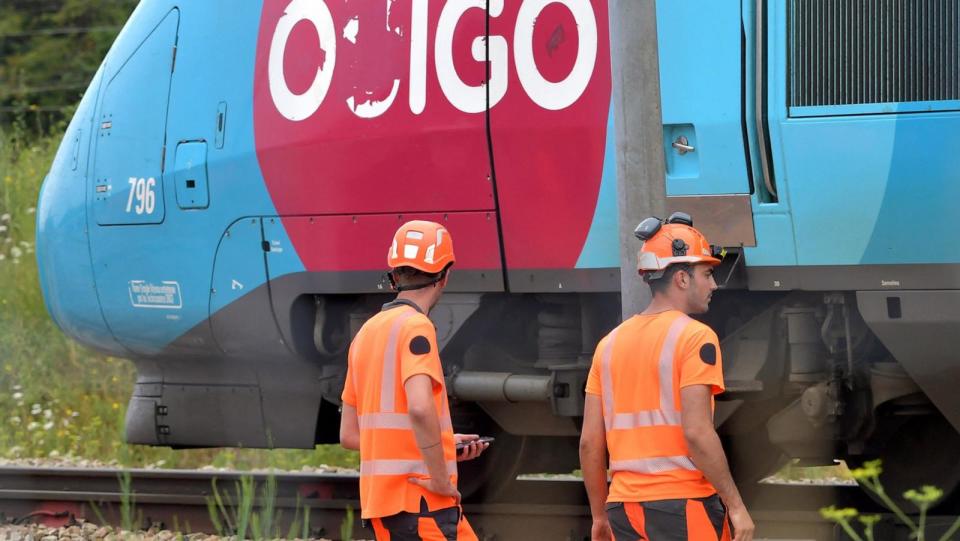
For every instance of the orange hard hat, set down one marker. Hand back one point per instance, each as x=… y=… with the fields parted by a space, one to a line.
x=673 y=241
x=425 y=246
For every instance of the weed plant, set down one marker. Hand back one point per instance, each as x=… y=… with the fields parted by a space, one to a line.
x=58 y=399
x=127 y=500
x=247 y=516
x=346 y=527
x=868 y=477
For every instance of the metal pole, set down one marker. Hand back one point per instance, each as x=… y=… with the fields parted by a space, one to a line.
x=639 y=132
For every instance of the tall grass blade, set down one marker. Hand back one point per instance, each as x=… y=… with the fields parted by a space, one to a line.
x=346 y=527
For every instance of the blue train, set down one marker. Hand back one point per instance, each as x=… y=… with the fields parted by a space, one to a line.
x=219 y=207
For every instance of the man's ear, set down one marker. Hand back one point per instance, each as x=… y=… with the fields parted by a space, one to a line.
x=681 y=279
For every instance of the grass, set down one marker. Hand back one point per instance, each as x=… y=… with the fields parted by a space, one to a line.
x=58 y=399
x=239 y=515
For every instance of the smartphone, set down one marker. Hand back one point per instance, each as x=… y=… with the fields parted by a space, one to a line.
x=482 y=439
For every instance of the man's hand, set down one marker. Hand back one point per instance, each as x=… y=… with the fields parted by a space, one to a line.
x=472 y=450
x=600 y=531
x=707 y=453
x=349 y=428
x=442 y=487
x=742 y=524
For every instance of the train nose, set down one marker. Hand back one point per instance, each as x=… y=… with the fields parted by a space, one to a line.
x=63 y=253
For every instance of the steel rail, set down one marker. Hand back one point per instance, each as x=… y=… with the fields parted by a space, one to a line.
x=548 y=509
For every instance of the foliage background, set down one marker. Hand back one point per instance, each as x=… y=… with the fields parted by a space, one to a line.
x=49 y=50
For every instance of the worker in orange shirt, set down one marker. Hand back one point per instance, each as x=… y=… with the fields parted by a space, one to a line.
x=649 y=404
x=395 y=408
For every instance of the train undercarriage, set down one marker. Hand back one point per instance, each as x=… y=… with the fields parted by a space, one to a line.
x=807 y=375
x=810 y=375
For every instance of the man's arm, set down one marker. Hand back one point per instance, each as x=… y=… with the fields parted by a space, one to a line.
x=707 y=453
x=593 y=462
x=349 y=428
x=426 y=429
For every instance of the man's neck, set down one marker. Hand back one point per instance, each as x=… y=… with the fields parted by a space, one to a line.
x=663 y=303
x=421 y=297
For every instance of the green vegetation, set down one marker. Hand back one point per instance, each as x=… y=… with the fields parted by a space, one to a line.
x=869 y=478
x=49 y=51
x=127 y=500
x=238 y=515
x=58 y=399
x=346 y=528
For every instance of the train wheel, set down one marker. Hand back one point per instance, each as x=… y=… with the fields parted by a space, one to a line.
x=917 y=450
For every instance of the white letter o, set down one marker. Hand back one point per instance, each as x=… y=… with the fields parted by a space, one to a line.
x=546 y=94
x=297 y=107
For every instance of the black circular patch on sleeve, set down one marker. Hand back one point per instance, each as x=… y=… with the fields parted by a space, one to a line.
x=708 y=354
x=420 y=345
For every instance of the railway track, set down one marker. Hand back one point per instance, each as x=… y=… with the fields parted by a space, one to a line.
x=538 y=509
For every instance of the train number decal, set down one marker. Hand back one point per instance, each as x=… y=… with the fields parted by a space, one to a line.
x=142 y=198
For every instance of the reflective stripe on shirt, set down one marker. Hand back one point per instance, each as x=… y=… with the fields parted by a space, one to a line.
x=653 y=465
x=400 y=467
x=399 y=421
x=389 y=380
x=667 y=415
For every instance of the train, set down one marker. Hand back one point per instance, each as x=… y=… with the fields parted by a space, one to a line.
x=231 y=238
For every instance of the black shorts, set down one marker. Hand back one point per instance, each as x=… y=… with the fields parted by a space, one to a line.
x=447 y=524
x=694 y=519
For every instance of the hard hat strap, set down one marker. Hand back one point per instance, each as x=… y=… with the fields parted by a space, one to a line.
x=397 y=287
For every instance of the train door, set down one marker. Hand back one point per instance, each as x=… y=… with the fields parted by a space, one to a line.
x=702 y=90
x=128 y=201
x=864 y=111
x=550 y=123
x=368 y=114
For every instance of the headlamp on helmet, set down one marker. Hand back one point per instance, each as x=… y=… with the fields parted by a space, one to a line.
x=669 y=242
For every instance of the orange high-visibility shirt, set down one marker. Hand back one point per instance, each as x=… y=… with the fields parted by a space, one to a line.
x=638 y=370
x=392 y=346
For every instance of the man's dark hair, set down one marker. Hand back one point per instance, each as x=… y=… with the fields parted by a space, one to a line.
x=409 y=277
x=659 y=285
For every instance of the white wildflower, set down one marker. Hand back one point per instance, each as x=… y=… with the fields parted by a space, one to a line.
x=15 y=420
x=2 y=257
x=36 y=409
x=5 y=217
x=33 y=425
x=25 y=244
x=65 y=422
x=17 y=395
x=54 y=454
x=48 y=425
x=3 y=229
x=15 y=252
x=7 y=240
x=75 y=414
x=17 y=387
x=14 y=451
x=31 y=210
x=47 y=414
